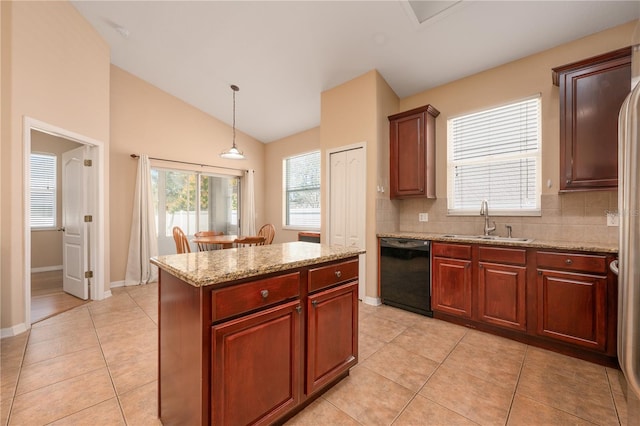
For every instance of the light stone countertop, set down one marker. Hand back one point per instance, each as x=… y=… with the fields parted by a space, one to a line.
x=560 y=245
x=220 y=266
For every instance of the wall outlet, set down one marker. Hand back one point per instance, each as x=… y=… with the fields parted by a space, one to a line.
x=423 y=217
x=613 y=219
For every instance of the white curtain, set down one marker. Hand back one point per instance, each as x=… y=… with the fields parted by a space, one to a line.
x=248 y=220
x=143 y=242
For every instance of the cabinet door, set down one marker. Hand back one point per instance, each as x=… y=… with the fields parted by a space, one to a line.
x=591 y=95
x=332 y=334
x=256 y=366
x=451 y=286
x=408 y=155
x=501 y=295
x=573 y=308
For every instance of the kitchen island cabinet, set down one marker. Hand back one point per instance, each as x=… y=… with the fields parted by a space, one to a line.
x=240 y=330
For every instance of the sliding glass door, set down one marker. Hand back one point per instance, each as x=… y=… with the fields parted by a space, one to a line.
x=194 y=201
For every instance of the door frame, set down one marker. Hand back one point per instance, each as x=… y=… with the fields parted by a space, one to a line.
x=96 y=246
x=362 y=273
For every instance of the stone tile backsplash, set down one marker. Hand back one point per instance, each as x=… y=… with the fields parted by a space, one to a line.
x=575 y=217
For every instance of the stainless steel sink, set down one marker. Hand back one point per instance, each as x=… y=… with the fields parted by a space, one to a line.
x=489 y=238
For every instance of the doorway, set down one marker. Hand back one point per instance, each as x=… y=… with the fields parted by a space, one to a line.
x=46 y=255
x=48 y=296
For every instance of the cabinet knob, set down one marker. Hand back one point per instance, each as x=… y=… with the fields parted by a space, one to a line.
x=568 y=261
x=338 y=274
x=314 y=303
x=299 y=308
x=264 y=293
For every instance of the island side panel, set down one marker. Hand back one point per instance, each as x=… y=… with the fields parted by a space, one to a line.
x=182 y=384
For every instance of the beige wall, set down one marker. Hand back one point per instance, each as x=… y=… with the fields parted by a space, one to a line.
x=355 y=112
x=56 y=70
x=46 y=245
x=579 y=217
x=275 y=152
x=146 y=120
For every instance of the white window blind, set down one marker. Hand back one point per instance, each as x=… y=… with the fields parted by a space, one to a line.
x=495 y=155
x=43 y=190
x=302 y=191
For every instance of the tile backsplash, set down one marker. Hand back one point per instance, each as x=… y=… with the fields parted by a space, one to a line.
x=575 y=217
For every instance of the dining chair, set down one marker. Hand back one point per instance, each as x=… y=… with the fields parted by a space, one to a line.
x=208 y=246
x=249 y=241
x=267 y=231
x=182 y=243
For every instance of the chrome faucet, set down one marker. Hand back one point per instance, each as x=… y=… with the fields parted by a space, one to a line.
x=484 y=211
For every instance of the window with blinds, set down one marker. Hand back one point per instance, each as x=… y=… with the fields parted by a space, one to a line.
x=302 y=191
x=494 y=155
x=43 y=190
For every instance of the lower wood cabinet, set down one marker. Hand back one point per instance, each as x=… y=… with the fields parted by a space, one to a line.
x=332 y=337
x=502 y=295
x=559 y=300
x=256 y=363
x=451 y=286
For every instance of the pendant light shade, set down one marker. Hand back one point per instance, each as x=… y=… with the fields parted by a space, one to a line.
x=233 y=153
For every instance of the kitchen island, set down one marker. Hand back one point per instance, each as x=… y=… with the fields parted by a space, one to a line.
x=252 y=335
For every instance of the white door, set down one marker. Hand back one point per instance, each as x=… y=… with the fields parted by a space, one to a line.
x=74 y=239
x=347 y=216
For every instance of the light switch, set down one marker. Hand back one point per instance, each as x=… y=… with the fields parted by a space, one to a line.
x=423 y=217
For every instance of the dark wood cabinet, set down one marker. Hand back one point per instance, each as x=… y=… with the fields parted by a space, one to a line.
x=256 y=366
x=255 y=351
x=502 y=285
x=412 y=153
x=451 y=279
x=559 y=300
x=591 y=94
x=573 y=299
x=332 y=336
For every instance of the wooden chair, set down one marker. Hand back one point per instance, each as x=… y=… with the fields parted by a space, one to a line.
x=182 y=244
x=267 y=231
x=249 y=241
x=207 y=246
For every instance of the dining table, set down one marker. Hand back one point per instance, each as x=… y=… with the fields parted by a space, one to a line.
x=226 y=241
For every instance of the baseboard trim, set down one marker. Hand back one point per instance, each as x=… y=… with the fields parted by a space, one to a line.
x=107 y=294
x=13 y=331
x=373 y=301
x=46 y=269
x=116 y=284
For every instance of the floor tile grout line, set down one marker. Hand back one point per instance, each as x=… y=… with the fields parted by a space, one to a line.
x=15 y=388
x=515 y=388
x=613 y=399
x=113 y=385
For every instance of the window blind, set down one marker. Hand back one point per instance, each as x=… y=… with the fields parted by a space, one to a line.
x=43 y=190
x=495 y=155
x=302 y=190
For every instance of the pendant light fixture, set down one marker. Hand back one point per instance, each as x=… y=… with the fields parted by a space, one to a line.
x=233 y=153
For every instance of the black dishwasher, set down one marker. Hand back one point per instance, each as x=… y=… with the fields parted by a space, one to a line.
x=405 y=274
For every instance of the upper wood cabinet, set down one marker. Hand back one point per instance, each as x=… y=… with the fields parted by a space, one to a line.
x=591 y=94
x=413 y=148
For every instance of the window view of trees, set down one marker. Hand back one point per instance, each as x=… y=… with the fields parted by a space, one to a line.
x=194 y=202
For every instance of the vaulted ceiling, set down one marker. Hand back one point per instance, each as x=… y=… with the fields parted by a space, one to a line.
x=283 y=54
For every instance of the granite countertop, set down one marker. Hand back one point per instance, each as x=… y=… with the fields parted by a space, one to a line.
x=560 y=245
x=220 y=266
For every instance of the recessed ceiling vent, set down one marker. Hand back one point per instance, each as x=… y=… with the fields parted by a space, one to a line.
x=423 y=13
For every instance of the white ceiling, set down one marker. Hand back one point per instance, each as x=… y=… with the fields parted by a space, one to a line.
x=283 y=54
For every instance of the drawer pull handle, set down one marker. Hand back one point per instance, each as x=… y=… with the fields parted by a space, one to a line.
x=264 y=293
x=568 y=261
x=338 y=274
x=299 y=308
x=315 y=303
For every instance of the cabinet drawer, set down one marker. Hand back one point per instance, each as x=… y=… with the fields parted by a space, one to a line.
x=235 y=300
x=458 y=251
x=329 y=275
x=572 y=262
x=502 y=255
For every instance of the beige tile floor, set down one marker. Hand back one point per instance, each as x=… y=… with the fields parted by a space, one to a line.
x=97 y=364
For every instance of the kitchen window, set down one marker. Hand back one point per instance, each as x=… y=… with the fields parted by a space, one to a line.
x=302 y=191
x=495 y=155
x=194 y=201
x=43 y=187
